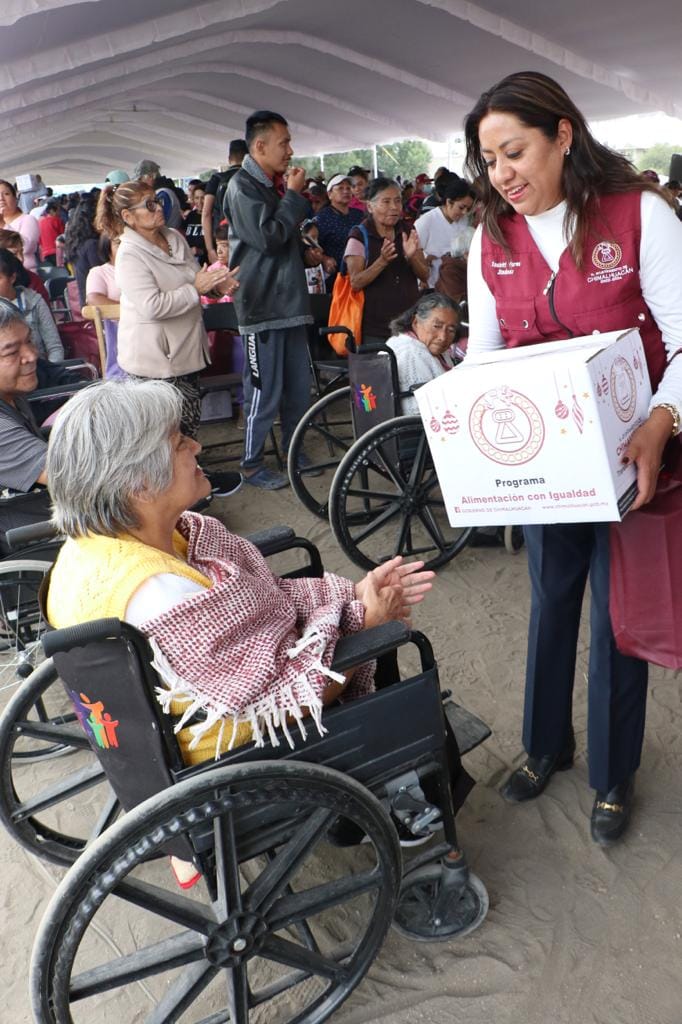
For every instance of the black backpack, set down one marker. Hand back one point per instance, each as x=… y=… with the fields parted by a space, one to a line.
x=221 y=209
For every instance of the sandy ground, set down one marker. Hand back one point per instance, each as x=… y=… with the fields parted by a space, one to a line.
x=575 y=935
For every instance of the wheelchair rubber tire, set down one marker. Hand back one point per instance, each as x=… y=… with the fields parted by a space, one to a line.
x=513 y=539
x=313 y=428
x=33 y=800
x=405 y=500
x=239 y=919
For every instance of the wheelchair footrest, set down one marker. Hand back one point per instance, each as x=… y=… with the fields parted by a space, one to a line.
x=469 y=730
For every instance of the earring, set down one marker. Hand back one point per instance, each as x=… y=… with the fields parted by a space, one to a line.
x=567 y=151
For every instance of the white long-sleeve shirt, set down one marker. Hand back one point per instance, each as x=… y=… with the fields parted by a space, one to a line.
x=660 y=275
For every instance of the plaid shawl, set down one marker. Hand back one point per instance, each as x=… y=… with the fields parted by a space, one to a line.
x=253 y=648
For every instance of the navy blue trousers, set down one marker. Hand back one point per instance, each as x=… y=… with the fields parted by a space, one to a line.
x=278 y=360
x=560 y=559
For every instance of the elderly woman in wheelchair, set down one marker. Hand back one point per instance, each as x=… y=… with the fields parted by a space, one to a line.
x=260 y=656
x=230 y=639
x=421 y=339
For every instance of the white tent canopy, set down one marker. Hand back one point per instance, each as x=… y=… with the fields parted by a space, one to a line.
x=89 y=86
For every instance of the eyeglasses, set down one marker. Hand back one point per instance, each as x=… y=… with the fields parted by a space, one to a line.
x=150 y=204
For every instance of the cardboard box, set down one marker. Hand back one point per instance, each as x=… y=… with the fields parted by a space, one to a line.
x=536 y=434
x=26 y=182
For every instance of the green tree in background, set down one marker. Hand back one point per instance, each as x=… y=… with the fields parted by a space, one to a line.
x=408 y=158
x=658 y=157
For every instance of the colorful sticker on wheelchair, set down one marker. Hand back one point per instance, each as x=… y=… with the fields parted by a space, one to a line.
x=364 y=397
x=506 y=426
x=97 y=724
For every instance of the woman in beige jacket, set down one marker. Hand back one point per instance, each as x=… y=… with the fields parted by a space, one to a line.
x=161 y=332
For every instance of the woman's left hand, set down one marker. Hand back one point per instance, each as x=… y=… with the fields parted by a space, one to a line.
x=411 y=244
x=413 y=580
x=646 y=450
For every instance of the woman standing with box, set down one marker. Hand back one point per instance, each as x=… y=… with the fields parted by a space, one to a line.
x=574 y=242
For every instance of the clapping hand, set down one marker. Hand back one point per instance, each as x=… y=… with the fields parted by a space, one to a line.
x=389 y=591
x=411 y=244
x=206 y=280
x=388 y=251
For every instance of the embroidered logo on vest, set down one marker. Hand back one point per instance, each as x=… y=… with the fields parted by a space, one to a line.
x=506 y=426
x=623 y=389
x=606 y=255
x=607 y=258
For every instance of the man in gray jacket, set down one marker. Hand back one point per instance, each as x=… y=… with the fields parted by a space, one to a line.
x=272 y=302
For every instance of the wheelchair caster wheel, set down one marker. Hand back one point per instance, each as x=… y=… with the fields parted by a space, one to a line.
x=513 y=539
x=434 y=908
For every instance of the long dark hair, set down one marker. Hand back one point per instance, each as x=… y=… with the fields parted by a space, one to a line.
x=80 y=227
x=590 y=169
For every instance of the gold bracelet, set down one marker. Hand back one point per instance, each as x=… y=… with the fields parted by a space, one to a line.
x=674 y=413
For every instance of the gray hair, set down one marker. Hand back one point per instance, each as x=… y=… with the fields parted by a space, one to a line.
x=422 y=310
x=9 y=314
x=110 y=443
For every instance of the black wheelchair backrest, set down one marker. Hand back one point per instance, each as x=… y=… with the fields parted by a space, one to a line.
x=375 y=389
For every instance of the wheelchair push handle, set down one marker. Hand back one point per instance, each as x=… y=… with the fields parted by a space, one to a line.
x=21 y=536
x=60 y=640
x=340 y=329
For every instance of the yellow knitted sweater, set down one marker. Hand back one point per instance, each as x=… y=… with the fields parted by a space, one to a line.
x=95 y=577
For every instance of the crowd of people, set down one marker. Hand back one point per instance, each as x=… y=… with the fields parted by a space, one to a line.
x=264 y=236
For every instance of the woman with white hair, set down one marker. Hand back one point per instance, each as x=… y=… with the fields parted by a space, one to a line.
x=421 y=340
x=122 y=476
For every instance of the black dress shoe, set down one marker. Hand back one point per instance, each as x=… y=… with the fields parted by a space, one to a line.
x=611 y=813
x=531 y=778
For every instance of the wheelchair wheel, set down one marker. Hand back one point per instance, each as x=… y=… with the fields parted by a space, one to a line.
x=282 y=930
x=324 y=435
x=513 y=539
x=434 y=908
x=52 y=808
x=385 y=499
x=21 y=624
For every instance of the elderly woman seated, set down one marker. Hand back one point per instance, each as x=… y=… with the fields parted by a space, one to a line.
x=230 y=638
x=421 y=339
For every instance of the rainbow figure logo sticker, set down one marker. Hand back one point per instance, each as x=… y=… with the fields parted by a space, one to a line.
x=97 y=724
x=365 y=399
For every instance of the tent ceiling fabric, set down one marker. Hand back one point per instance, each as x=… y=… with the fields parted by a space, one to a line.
x=88 y=86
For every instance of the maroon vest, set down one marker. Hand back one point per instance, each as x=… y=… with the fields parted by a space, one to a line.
x=534 y=305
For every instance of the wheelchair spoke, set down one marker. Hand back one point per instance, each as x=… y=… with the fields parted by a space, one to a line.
x=238 y=996
x=432 y=528
x=227 y=866
x=60 y=791
x=301 y=905
x=360 y=492
x=300 y=957
x=403 y=546
x=182 y=994
x=269 y=885
x=417 y=468
x=179 y=909
x=55 y=731
x=108 y=814
x=182 y=949
x=375 y=524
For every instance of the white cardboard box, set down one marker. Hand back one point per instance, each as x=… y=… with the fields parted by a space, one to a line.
x=536 y=434
x=26 y=182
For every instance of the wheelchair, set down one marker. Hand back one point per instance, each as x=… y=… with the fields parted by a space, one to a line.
x=298 y=849
x=383 y=498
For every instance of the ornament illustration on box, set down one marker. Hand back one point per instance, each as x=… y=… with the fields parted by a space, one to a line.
x=560 y=409
x=450 y=422
x=506 y=426
x=576 y=408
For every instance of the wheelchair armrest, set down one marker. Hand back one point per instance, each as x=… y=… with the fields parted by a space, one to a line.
x=21 y=536
x=58 y=391
x=282 y=538
x=368 y=644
